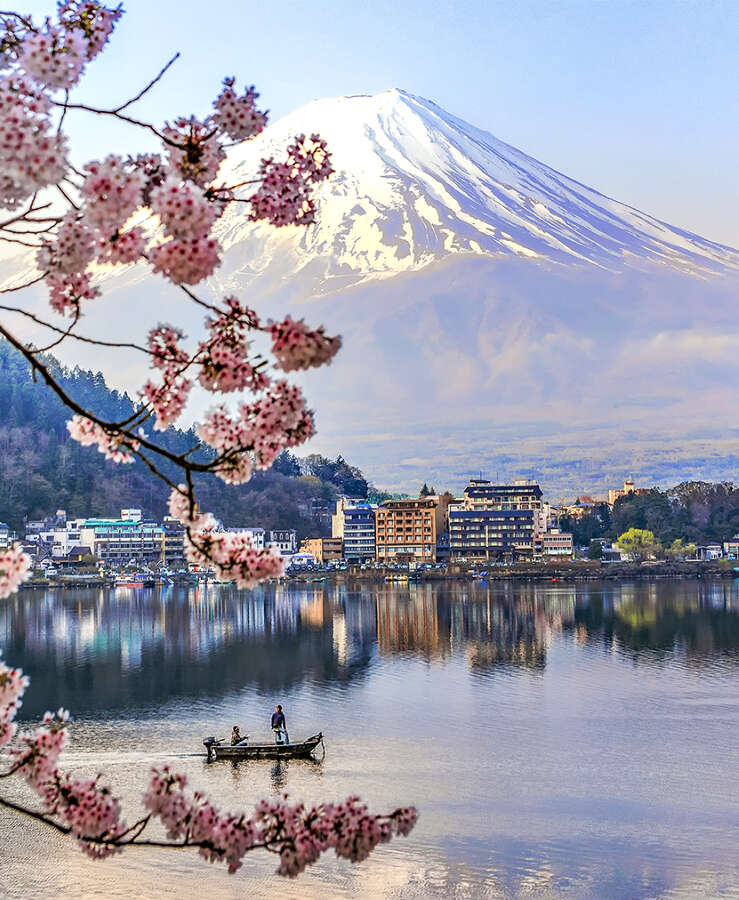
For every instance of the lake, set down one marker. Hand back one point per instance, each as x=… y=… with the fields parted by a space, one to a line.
x=576 y=740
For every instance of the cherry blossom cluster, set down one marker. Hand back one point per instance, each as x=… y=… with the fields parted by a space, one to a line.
x=276 y=421
x=13 y=684
x=233 y=555
x=297 y=347
x=112 y=192
x=284 y=196
x=33 y=154
x=36 y=758
x=301 y=833
x=115 y=445
x=90 y=810
x=169 y=398
x=178 y=189
x=14 y=568
x=238 y=117
x=224 y=358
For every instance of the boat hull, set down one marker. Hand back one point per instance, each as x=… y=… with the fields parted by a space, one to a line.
x=300 y=750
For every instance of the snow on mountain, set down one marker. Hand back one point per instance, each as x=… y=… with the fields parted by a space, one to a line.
x=414 y=184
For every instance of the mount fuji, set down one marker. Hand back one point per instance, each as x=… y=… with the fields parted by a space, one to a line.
x=497 y=315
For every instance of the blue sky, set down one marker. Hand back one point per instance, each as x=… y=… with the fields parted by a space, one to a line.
x=636 y=99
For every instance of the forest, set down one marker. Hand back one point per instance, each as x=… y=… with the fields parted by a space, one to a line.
x=42 y=469
x=697 y=512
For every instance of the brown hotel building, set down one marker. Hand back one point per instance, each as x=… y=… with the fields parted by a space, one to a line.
x=405 y=531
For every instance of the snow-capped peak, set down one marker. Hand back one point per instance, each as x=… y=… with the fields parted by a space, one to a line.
x=414 y=184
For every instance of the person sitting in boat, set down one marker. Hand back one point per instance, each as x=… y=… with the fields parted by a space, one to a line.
x=236 y=737
x=279 y=726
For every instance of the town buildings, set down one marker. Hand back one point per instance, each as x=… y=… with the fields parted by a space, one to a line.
x=731 y=548
x=323 y=550
x=405 y=531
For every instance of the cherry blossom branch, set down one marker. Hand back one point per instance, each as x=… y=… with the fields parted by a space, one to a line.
x=158 y=77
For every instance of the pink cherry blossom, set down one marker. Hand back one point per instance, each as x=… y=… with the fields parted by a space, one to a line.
x=121 y=247
x=37 y=756
x=54 y=57
x=193 y=150
x=284 y=196
x=32 y=152
x=112 y=190
x=167 y=400
x=237 y=116
x=185 y=212
x=224 y=358
x=95 y=21
x=115 y=446
x=71 y=250
x=66 y=291
x=14 y=568
x=91 y=811
x=186 y=261
x=297 y=347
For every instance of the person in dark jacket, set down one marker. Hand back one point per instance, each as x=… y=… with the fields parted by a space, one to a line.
x=279 y=726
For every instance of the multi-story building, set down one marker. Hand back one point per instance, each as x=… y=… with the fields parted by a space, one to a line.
x=120 y=540
x=285 y=540
x=324 y=549
x=174 y=548
x=491 y=533
x=497 y=521
x=359 y=533
x=405 y=530
x=354 y=523
x=553 y=543
x=4 y=535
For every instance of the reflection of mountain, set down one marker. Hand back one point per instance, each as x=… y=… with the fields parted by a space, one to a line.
x=123 y=650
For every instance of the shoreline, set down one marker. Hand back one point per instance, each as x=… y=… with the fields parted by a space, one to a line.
x=524 y=572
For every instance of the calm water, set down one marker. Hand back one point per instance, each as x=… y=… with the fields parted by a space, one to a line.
x=577 y=741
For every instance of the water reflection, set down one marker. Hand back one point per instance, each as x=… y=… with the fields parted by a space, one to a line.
x=115 y=650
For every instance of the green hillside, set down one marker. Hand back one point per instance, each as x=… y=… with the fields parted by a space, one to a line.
x=42 y=469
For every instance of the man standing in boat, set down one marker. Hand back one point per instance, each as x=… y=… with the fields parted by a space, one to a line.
x=279 y=726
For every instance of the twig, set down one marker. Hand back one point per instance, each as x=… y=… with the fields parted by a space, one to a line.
x=148 y=87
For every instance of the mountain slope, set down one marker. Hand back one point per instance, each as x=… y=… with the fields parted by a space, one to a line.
x=414 y=184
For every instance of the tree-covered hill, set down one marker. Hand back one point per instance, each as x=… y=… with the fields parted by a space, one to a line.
x=694 y=511
x=42 y=469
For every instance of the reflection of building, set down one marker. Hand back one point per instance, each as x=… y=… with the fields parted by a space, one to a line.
x=406 y=530
x=322 y=549
x=409 y=620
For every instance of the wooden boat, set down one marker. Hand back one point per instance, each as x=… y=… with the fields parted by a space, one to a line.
x=220 y=749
